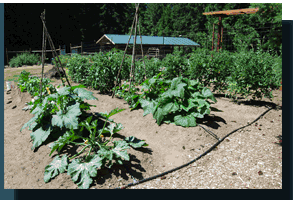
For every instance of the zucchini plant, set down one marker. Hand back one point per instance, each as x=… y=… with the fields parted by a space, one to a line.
x=179 y=101
x=63 y=115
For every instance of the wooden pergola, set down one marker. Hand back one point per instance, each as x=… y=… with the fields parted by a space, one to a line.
x=226 y=13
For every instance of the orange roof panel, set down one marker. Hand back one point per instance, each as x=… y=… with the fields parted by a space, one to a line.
x=233 y=12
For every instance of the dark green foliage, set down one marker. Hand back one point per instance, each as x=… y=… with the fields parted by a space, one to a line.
x=24 y=59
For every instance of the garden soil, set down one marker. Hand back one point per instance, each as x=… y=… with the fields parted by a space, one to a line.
x=169 y=145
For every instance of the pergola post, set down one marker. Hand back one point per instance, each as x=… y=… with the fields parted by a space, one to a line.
x=219 y=32
x=227 y=13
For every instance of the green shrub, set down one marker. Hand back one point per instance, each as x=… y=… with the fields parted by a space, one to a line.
x=24 y=59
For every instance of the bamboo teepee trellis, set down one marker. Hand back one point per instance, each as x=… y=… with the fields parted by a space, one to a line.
x=134 y=23
x=46 y=36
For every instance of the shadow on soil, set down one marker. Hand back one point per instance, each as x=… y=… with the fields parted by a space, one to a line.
x=132 y=168
x=251 y=102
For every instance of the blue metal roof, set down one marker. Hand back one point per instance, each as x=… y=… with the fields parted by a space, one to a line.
x=154 y=40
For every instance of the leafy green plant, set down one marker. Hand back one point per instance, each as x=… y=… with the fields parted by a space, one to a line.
x=129 y=96
x=178 y=101
x=254 y=74
x=57 y=111
x=24 y=59
x=100 y=70
x=183 y=102
x=31 y=84
x=152 y=68
x=199 y=66
x=23 y=78
x=175 y=64
x=83 y=169
x=63 y=115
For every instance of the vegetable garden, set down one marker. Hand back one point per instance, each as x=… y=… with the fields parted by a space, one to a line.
x=178 y=91
x=177 y=95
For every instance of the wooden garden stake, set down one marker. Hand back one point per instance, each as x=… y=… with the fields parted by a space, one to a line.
x=145 y=76
x=133 y=52
x=43 y=47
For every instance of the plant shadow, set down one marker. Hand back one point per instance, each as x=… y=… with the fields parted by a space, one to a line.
x=131 y=168
x=211 y=121
x=250 y=102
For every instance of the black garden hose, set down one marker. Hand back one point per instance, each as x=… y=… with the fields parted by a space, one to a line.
x=184 y=165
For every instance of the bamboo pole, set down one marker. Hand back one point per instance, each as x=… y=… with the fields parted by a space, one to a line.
x=124 y=55
x=145 y=76
x=133 y=54
x=43 y=48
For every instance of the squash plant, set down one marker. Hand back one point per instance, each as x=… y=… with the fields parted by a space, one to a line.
x=57 y=111
x=62 y=115
x=179 y=101
x=83 y=169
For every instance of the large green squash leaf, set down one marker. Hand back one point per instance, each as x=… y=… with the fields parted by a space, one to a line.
x=29 y=122
x=190 y=105
x=69 y=119
x=58 y=165
x=148 y=106
x=84 y=94
x=134 y=142
x=170 y=107
x=208 y=94
x=117 y=153
x=159 y=115
x=120 y=149
x=82 y=172
x=185 y=121
x=40 y=135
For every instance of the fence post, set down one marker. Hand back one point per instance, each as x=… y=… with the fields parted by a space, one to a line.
x=70 y=49
x=81 y=48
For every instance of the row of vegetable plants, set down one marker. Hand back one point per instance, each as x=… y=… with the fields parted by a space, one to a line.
x=178 y=94
x=60 y=118
x=245 y=73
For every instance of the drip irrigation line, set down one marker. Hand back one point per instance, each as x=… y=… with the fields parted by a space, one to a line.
x=136 y=182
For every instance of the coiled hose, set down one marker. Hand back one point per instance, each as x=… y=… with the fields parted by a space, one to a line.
x=184 y=165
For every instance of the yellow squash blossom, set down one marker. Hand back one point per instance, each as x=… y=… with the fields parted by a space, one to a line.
x=48 y=90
